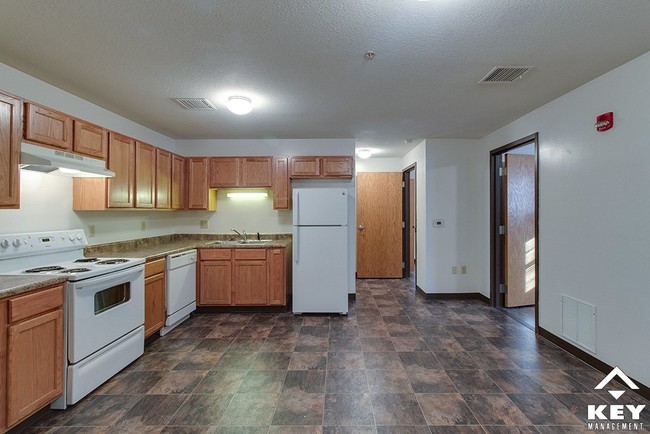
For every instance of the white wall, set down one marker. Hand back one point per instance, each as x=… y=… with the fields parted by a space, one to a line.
x=594 y=210
x=379 y=165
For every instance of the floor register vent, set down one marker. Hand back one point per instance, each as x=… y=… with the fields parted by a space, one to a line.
x=505 y=74
x=579 y=322
x=195 y=103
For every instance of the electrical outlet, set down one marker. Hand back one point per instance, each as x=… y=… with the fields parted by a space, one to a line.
x=91 y=231
x=143 y=226
x=454 y=270
x=463 y=269
x=203 y=224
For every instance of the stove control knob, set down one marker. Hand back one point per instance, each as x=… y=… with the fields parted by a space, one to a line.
x=17 y=242
x=79 y=237
x=4 y=244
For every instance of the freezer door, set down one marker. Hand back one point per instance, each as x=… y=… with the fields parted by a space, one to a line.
x=320 y=207
x=320 y=270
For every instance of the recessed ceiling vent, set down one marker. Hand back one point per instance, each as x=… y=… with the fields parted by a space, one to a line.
x=505 y=74
x=195 y=103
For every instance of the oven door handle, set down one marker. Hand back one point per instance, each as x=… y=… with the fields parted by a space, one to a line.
x=110 y=278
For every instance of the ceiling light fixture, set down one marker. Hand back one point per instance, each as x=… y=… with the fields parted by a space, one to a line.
x=239 y=105
x=364 y=153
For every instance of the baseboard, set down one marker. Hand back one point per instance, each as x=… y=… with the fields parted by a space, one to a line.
x=453 y=295
x=422 y=293
x=242 y=309
x=589 y=359
x=352 y=296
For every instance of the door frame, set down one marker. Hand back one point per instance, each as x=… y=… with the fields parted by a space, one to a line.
x=406 y=219
x=497 y=267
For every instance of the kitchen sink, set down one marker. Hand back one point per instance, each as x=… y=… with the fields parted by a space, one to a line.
x=218 y=242
x=254 y=242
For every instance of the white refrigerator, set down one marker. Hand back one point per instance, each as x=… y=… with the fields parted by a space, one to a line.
x=320 y=250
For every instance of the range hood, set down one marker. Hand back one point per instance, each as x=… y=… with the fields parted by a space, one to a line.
x=58 y=162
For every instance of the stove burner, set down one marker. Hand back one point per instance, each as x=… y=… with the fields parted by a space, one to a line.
x=82 y=260
x=44 y=269
x=74 y=270
x=112 y=261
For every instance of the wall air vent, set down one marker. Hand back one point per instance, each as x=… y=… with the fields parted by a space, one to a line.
x=505 y=74
x=195 y=103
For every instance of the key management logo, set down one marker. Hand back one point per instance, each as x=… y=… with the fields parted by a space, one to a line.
x=619 y=417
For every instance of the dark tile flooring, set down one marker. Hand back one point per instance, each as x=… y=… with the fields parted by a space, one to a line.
x=395 y=364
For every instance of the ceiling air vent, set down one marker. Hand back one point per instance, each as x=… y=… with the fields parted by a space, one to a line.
x=195 y=103
x=505 y=74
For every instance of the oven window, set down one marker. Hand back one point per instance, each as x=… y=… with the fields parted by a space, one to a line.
x=112 y=297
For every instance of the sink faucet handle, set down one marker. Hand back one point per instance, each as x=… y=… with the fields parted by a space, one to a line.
x=258 y=236
x=243 y=234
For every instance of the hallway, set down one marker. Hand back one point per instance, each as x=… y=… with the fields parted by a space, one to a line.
x=396 y=364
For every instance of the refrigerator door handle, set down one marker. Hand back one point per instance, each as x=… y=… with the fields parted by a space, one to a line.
x=297 y=211
x=296 y=244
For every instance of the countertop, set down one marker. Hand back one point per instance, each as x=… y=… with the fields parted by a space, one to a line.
x=14 y=285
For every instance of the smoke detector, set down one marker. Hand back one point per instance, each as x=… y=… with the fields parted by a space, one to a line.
x=505 y=74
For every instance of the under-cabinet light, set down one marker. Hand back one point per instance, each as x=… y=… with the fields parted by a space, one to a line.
x=247 y=194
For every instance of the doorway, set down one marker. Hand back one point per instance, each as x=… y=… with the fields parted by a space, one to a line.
x=409 y=229
x=514 y=204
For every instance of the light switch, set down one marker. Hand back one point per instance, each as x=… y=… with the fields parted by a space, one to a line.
x=463 y=269
x=203 y=224
x=454 y=270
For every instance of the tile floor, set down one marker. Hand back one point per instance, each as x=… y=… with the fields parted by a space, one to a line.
x=396 y=364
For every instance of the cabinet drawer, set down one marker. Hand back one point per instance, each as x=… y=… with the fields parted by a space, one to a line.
x=155 y=267
x=33 y=304
x=250 y=254
x=215 y=254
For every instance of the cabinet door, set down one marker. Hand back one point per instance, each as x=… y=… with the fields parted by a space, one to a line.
x=10 y=134
x=281 y=185
x=163 y=179
x=34 y=364
x=224 y=172
x=215 y=283
x=337 y=167
x=256 y=172
x=154 y=303
x=250 y=279
x=178 y=182
x=145 y=175
x=121 y=160
x=305 y=167
x=90 y=139
x=275 y=259
x=48 y=127
x=197 y=183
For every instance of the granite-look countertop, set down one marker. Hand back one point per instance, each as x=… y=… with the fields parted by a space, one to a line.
x=14 y=285
x=154 y=248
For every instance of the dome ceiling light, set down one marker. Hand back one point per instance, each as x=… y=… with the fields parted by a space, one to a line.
x=239 y=105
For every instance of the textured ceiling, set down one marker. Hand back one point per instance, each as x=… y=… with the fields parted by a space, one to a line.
x=302 y=61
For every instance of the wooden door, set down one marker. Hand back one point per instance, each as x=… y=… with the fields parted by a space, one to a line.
x=49 y=127
x=121 y=160
x=277 y=277
x=197 y=183
x=154 y=303
x=34 y=364
x=412 y=224
x=256 y=172
x=250 y=279
x=90 y=139
x=224 y=172
x=10 y=134
x=519 y=199
x=281 y=184
x=145 y=175
x=178 y=182
x=163 y=179
x=379 y=220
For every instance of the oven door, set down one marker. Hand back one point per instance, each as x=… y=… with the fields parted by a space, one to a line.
x=103 y=309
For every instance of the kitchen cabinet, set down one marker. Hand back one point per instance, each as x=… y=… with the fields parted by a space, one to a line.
x=11 y=110
x=145 y=175
x=321 y=167
x=121 y=160
x=243 y=277
x=199 y=196
x=32 y=345
x=154 y=296
x=228 y=172
x=48 y=127
x=90 y=140
x=215 y=277
x=281 y=184
x=163 y=179
x=178 y=182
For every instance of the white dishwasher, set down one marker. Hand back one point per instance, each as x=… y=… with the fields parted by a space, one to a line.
x=180 y=288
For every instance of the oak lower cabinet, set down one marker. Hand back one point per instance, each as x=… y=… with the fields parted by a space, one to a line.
x=32 y=346
x=154 y=296
x=242 y=277
x=10 y=135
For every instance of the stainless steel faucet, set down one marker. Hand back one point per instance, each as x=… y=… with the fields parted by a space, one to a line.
x=242 y=234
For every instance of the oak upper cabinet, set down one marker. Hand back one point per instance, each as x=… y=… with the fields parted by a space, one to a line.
x=178 y=182
x=277 y=278
x=199 y=195
x=11 y=110
x=305 y=167
x=281 y=184
x=145 y=175
x=224 y=172
x=337 y=167
x=256 y=171
x=154 y=296
x=34 y=352
x=163 y=179
x=250 y=277
x=215 y=277
x=90 y=139
x=121 y=160
x=322 y=167
x=48 y=127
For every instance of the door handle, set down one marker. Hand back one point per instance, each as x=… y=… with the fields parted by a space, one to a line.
x=361 y=227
